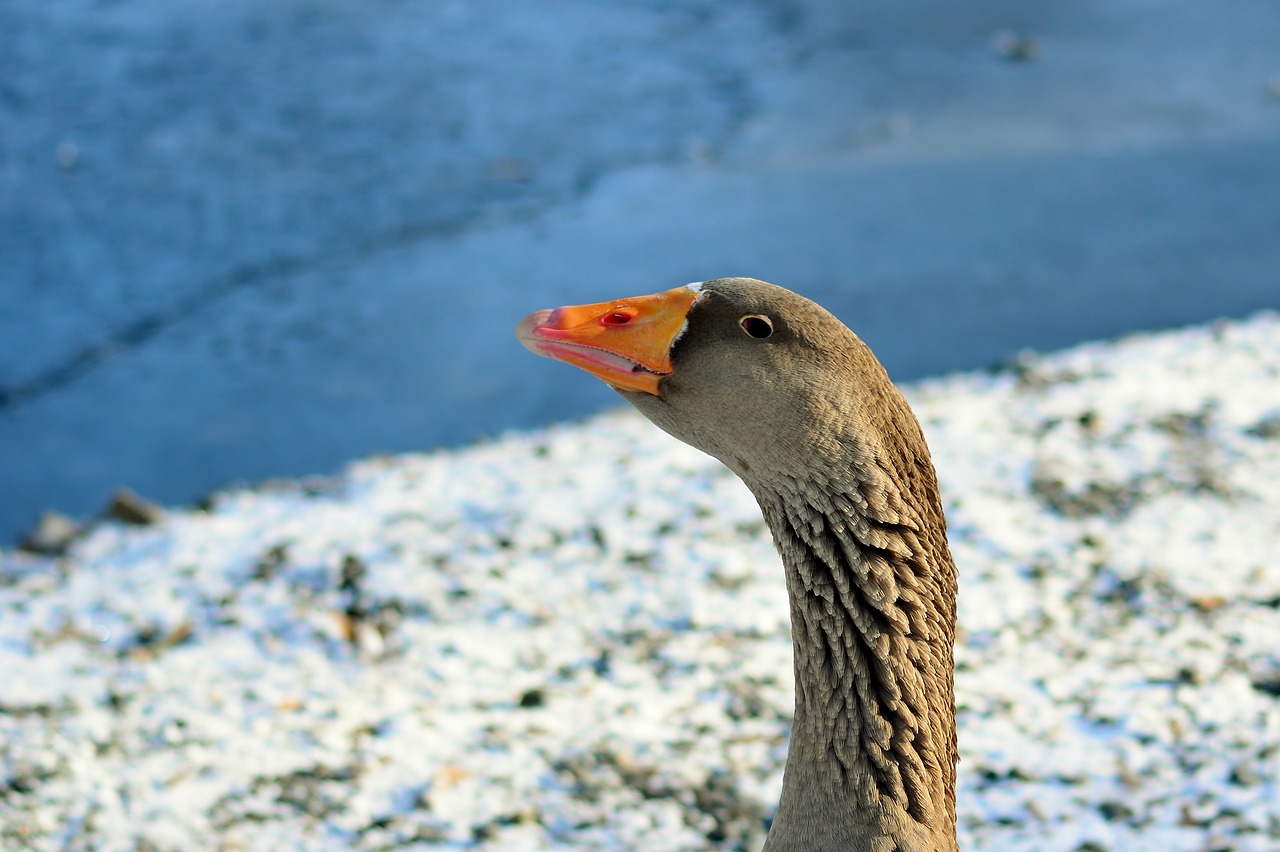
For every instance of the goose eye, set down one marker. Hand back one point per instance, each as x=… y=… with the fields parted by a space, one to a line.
x=757 y=326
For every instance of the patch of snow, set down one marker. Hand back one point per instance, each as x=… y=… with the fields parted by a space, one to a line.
x=578 y=638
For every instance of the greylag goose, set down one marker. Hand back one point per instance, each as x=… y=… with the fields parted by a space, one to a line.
x=796 y=405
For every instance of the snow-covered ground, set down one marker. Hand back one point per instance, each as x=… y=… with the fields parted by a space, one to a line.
x=577 y=638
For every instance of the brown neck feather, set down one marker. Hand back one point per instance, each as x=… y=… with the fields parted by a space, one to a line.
x=872 y=588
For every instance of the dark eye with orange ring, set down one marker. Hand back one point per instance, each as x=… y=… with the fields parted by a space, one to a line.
x=757 y=326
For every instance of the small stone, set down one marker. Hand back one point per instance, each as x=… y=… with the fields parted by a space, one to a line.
x=1128 y=777
x=1115 y=811
x=1208 y=603
x=272 y=561
x=1268 y=686
x=1016 y=47
x=1244 y=775
x=127 y=507
x=52 y=534
x=1267 y=428
x=353 y=573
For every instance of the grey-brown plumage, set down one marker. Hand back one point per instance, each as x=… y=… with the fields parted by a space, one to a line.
x=809 y=420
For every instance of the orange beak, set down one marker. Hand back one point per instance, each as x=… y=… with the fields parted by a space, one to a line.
x=626 y=342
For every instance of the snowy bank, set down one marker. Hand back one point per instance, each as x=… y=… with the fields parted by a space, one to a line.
x=578 y=638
